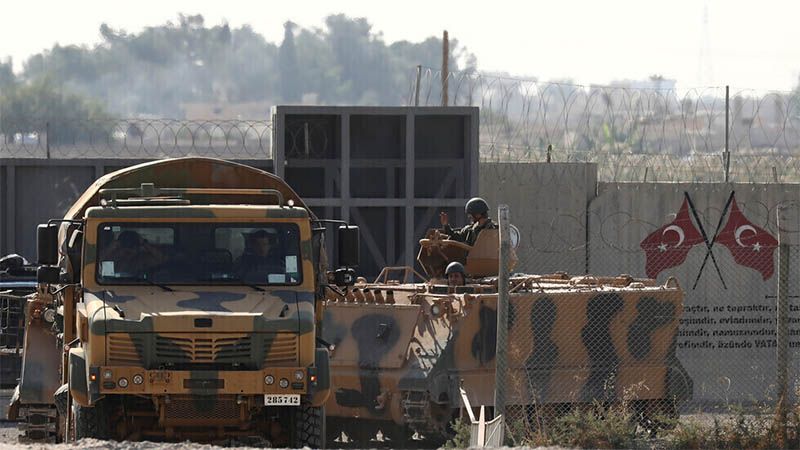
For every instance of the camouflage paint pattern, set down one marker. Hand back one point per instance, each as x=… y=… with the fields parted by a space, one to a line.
x=571 y=340
x=207 y=368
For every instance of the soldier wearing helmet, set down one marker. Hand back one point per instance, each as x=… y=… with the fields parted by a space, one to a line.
x=455 y=274
x=478 y=211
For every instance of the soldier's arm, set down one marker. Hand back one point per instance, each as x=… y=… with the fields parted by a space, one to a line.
x=459 y=235
x=447 y=229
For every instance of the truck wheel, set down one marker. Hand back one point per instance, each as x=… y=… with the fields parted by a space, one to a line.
x=92 y=422
x=309 y=427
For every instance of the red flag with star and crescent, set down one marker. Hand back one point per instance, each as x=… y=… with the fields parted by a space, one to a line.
x=751 y=246
x=669 y=245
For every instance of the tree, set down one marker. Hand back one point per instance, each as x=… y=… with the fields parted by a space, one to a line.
x=287 y=66
x=7 y=77
x=43 y=107
x=157 y=70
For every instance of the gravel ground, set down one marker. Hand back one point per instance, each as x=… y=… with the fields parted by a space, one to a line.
x=8 y=440
x=9 y=433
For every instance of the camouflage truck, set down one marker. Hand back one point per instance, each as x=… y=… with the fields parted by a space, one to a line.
x=179 y=300
x=401 y=351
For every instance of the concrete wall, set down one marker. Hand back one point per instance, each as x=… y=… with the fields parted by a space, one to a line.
x=727 y=335
x=547 y=203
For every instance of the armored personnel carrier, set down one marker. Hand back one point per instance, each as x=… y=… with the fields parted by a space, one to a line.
x=401 y=350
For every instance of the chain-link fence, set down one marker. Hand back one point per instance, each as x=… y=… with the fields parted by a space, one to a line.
x=635 y=131
x=135 y=138
x=704 y=341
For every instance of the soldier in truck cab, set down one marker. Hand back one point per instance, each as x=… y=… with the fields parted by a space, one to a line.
x=260 y=254
x=478 y=211
x=132 y=255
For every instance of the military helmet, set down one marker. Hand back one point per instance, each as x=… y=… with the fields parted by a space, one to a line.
x=476 y=205
x=454 y=267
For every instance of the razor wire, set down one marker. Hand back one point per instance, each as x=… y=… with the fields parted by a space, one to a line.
x=135 y=138
x=634 y=133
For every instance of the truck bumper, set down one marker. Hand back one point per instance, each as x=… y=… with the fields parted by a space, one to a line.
x=120 y=380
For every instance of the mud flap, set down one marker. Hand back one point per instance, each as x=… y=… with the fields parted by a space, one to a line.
x=13 y=405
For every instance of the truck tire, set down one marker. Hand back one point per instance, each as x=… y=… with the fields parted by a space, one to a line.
x=92 y=422
x=309 y=427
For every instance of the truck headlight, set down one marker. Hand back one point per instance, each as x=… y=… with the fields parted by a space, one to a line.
x=284 y=383
x=138 y=379
x=108 y=374
x=299 y=375
x=122 y=382
x=269 y=379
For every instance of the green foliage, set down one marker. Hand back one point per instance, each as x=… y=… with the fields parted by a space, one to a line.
x=734 y=432
x=596 y=427
x=157 y=69
x=27 y=108
x=6 y=74
x=287 y=65
x=617 y=426
x=461 y=434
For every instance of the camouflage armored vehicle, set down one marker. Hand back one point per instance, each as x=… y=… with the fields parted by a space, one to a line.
x=179 y=300
x=401 y=351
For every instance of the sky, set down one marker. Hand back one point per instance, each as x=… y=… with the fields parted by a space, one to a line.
x=743 y=44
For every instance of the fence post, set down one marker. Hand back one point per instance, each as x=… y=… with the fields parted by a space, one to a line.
x=501 y=350
x=727 y=155
x=416 y=85
x=47 y=138
x=445 y=67
x=782 y=310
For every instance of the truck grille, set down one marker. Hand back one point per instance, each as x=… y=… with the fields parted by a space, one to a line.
x=203 y=410
x=124 y=350
x=183 y=351
x=179 y=349
x=281 y=348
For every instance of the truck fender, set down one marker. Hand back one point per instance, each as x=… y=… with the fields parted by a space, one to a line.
x=78 y=379
x=322 y=390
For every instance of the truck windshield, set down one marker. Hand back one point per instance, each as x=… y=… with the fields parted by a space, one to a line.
x=198 y=253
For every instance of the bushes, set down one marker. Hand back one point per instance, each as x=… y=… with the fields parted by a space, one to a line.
x=622 y=425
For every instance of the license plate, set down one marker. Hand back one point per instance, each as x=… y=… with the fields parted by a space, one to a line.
x=282 y=400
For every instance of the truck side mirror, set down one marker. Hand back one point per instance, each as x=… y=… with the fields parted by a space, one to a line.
x=47 y=244
x=348 y=244
x=48 y=275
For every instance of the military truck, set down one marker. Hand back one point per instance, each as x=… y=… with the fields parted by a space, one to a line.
x=401 y=351
x=180 y=299
x=17 y=279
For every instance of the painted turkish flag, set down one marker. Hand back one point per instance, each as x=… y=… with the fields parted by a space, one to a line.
x=668 y=246
x=750 y=245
